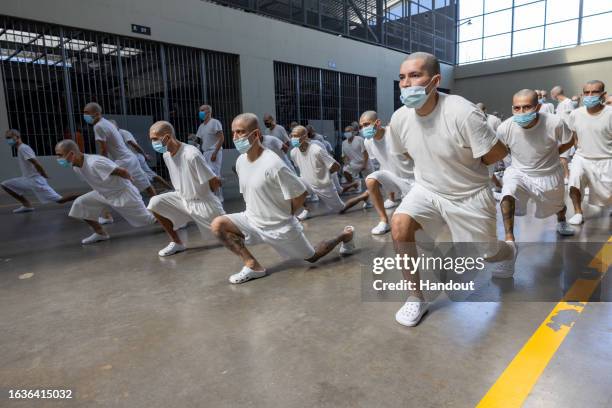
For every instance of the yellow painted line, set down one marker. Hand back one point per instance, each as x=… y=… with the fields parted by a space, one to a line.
x=515 y=383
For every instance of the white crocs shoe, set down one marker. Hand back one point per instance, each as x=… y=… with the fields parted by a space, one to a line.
x=505 y=269
x=347 y=248
x=171 y=249
x=103 y=221
x=95 y=237
x=23 y=209
x=563 y=228
x=381 y=228
x=412 y=311
x=304 y=215
x=246 y=274
x=390 y=203
x=577 y=219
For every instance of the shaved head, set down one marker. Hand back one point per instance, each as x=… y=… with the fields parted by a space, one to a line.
x=299 y=131
x=527 y=93
x=430 y=62
x=248 y=120
x=595 y=82
x=93 y=107
x=66 y=146
x=557 y=90
x=267 y=116
x=370 y=116
x=162 y=128
x=13 y=133
x=206 y=108
x=481 y=106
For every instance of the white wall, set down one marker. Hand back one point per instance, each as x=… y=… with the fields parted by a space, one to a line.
x=258 y=40
x=494 y=82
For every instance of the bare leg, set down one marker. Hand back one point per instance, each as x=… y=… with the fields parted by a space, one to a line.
x=352 y=184
x=496 y=181
x=168 y=226
x=68 y=198
x=354 y=201
x=162 y=181
x=24 y=201
x=391 y=195
x=576 y=197
x=96 y=227
x=348 y=177
x=403 y=231
x=565 y=165
x=508 y=207
x=151 y=191
x=561 y=214
x=225 y=230
x=323 y=248
x=377 y=199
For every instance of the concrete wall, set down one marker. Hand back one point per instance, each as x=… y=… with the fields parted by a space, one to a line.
x=495 y=82
x=258 y=40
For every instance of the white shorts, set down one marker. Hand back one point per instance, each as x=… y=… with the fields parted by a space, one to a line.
x=355 y=170
x=390 y=183
x=336 y=180
x=327 y=195
x=596 y=174
x=289 y=240
x=568 y=154
x=144 y=166
x=471 y=219
x=547 y=191
x=215 y=166
x=36 y=184
x=129 y=205
x=141 y=181
x=180 y=211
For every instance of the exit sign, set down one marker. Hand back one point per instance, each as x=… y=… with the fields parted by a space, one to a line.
x=138 y=29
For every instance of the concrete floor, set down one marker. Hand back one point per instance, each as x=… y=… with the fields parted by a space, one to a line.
x=123 y=327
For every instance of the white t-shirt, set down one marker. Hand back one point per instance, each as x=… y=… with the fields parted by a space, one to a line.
x=274 y=144
x=280 y=133
x=128 y=137
x=115 y=146
x=354 y=150
x=447 y=146
x=493 y=121
x=267 y=186
x=535 y=151
x=25 y=153
x=594 y=132
x=399 y=165
x=207 y=133
x=314 y=165
x=190 y=174
x=96 y=171
x=547 y=108
x=564 y=108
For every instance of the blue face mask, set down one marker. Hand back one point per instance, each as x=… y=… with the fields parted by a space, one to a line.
x=368 y=132
x=243 y=145
x=11 y=142
x=295 y=142
x=159 y=147
x=414 y=96
x=202 y=115
x=88 y=118
x=63 y=162
x=591 y=101
x=524 y=119
x=542 y=100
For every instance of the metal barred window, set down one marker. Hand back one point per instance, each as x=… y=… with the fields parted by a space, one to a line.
x=50 y=72
x=304 y=93
x=404 y=25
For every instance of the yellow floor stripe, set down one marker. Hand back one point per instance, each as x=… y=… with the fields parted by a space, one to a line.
x=513 y=386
